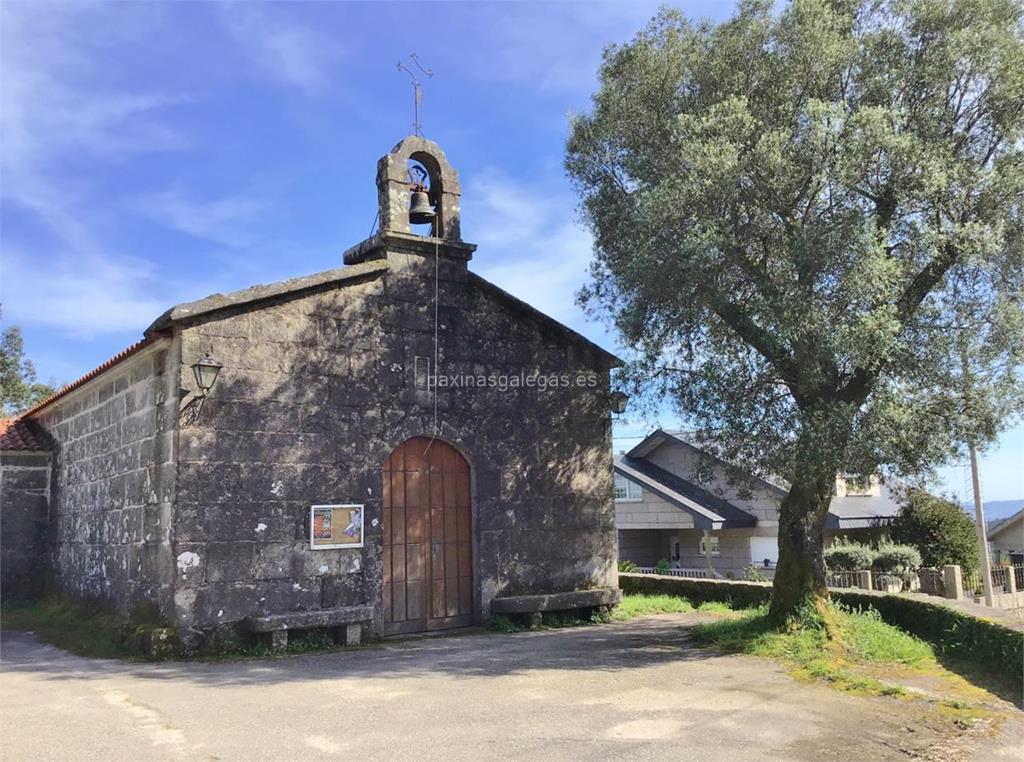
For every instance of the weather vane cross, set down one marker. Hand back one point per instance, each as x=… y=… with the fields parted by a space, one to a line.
x=417 y=89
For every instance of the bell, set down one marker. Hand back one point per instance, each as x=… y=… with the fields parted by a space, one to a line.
x=420 y=210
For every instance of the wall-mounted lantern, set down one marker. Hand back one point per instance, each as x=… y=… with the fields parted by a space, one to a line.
x=206 y=370
x=618 y=402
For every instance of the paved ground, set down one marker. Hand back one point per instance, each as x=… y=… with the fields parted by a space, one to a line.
x=634 y=690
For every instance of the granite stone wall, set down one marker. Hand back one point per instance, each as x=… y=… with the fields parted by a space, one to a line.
x=316 y=391
x=25 y=487
x=112 y=487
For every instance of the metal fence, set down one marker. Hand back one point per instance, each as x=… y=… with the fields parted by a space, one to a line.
x=932 y=581
x=1001 y=579
x=888 y=582
x=842 y=579
x=973 y=585
x=1018 y=573
x=690 y=573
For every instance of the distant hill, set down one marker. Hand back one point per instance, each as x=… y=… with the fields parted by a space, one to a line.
x=1001 y=509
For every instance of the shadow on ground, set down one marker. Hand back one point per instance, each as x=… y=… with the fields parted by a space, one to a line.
x=611 y=647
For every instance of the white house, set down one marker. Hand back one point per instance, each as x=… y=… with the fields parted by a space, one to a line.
x=674 y=502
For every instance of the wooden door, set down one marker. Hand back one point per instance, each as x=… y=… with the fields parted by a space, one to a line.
x=428 y=546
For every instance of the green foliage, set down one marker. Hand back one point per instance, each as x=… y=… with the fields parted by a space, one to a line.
x=19 y=389
x=754 y=573
x=871 y=639
x=662 y=566
x=897 y=562
x=697 y=591
x=633 y=606
x=847 y=555
x=502 y=623
x=627 y=566
x=804 y=219
x=860 y=638
x=76 y=627
x=939 y=529
x=994 y=650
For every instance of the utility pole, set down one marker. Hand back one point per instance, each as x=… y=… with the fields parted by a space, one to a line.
x=979 y=520
x=979 y=508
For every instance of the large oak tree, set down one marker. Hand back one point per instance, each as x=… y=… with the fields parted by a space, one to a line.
x=802 y=217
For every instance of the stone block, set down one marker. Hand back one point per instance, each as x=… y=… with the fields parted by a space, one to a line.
x=229 y=561
x=273 y=561
x=23 y=479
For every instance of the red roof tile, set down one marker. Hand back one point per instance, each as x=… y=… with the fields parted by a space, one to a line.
x=22 y=434
x=119 y=357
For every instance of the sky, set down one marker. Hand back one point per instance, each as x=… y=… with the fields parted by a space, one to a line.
x=153 y=153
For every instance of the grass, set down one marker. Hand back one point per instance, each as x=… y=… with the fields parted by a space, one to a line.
x=80 y=629
x=864 y=655
x=633 y=606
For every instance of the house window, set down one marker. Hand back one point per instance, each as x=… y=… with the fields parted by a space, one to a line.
x=625 y=489
x=714 y=546
x=858 y=485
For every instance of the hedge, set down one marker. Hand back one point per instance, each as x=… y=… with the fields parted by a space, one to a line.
x=736 y=593
x=991 y=645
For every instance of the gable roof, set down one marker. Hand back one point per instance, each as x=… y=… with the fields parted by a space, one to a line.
x=294 y=286
x=849 y=512
x=659 y=437
x=611 y=360
x=23 y=434
x=261 y=293
x=862 y=511
x=708 y=511
x=1014 y=520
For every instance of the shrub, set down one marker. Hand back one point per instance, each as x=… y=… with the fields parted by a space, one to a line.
x=754 y=574
x=627 y=566
x=849 y=556
x=662 y=566
x=896 y=559
x=942 y=532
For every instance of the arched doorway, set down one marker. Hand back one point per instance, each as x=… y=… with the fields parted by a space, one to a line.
x=428 y=541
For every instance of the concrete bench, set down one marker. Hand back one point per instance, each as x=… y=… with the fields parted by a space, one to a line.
x=601 y=599
x=346 y=624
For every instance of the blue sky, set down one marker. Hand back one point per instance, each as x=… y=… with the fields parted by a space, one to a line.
x=156 y=153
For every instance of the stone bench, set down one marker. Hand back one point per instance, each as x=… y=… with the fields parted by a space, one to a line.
x=346 y=624
x=601 y=599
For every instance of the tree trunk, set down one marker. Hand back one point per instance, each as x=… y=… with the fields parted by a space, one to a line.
x=799 y=589
x=799 y=585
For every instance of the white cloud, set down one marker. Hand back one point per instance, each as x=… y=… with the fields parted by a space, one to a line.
x=227 y=220
x=529 y=244
x=289 y=52
x=56 y=117
x=51 y=113
x=83 y=296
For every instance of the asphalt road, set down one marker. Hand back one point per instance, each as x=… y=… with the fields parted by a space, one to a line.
x=626 y=691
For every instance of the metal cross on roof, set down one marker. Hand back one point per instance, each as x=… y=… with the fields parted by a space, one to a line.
x=417 y=89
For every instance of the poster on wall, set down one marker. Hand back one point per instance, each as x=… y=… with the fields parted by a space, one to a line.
x=336 y=526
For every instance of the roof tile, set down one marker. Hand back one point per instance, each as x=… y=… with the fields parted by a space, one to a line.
x=23 y=434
